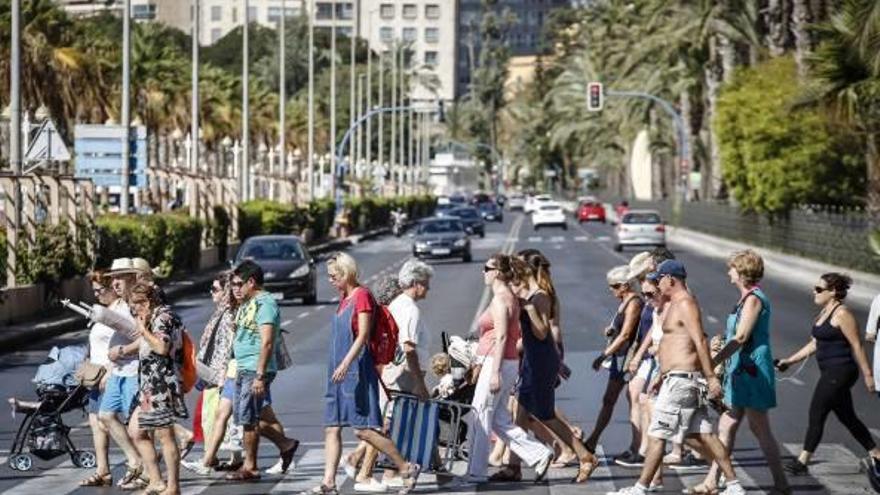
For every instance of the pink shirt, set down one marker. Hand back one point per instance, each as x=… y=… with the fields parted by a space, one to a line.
x=487 y=333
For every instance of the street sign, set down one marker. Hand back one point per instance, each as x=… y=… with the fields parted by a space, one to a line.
x=98 y=151
x=47 y=145
x=595 y=96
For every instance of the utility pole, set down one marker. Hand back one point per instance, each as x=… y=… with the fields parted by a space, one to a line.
x=282 y=89
x=381 y=141
x=402 y=119
x=393 y=156
x=369 y=95
x=194 y=109
x=245 y=110
x=332 y=98
x=126 y=107
x=310 y=160
x=14 y=141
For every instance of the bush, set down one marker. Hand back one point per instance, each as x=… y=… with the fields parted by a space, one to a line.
x=263 y=217
x=3 y=255
x=54 y=256
x=775 y=154
x=321 y=216
x=220 y=230
x=166 y=240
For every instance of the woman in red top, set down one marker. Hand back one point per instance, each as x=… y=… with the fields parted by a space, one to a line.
x=499 y=332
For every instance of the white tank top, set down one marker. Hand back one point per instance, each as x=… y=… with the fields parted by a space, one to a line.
x=656 y=329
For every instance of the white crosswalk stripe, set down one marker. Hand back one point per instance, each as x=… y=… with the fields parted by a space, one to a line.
x=835 y=468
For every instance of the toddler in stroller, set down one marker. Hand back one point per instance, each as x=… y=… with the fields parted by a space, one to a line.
x=454 y=368
x=42 y=432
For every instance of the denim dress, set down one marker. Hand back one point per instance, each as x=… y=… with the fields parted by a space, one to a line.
x=750 y=380
x=354 y=401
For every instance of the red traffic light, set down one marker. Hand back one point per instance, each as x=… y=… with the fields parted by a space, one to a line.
x=595 y=96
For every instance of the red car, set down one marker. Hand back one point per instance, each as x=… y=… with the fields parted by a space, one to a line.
x=590 y=211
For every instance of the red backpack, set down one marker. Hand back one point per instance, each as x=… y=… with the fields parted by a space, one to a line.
x=188 y=375
x=383 y=340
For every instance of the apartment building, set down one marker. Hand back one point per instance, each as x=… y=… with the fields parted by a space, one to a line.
x=428 y=27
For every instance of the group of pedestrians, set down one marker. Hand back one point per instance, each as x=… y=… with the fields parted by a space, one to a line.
x=657 y=354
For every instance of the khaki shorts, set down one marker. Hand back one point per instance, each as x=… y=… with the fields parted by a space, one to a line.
x=679 y=411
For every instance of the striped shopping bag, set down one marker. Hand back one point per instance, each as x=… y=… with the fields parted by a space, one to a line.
x=414 y=425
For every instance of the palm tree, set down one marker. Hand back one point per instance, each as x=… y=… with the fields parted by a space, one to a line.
x=846 y=75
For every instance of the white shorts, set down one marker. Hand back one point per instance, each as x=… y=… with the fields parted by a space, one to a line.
x=647 y=370
x=679 y=410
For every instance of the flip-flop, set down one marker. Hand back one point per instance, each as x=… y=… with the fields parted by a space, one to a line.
x=321 y=490
x=96 y=479
x=186 y=448
x=700 y=489
x=584 y=472
x=243 y=476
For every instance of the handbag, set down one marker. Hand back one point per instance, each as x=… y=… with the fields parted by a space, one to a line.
x=89 y=375
x=283 y=360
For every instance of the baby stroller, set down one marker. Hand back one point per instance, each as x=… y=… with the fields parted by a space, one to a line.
x=42 y=432
x=453 y=426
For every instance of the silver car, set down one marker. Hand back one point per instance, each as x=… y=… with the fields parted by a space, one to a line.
x=640 y=228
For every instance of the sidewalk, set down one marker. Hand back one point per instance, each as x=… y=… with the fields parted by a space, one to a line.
x=14 y=337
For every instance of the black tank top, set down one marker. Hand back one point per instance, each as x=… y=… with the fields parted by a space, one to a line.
x=832 y=348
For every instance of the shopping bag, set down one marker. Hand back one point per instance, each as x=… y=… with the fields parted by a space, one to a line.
x=414 y=426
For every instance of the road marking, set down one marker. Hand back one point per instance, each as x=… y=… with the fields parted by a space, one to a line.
x=604 y=247
x=535 y=238
x=509 y=244
x=303 y=314
x=835 y=468
x=581 y=238
x=286 y=323
x=603 y=238
x=557 y=238
x=712 y=319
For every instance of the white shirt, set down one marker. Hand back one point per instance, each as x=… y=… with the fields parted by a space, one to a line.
x=99 y=344
x=871 y=329
x=407 y=315
x=127 y=366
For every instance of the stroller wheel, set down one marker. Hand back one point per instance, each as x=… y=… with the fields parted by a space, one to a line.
x=21 y=462
x=84 y=459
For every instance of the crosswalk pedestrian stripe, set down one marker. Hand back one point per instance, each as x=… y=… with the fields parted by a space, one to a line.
x=536 y=238
x=557 y=238
x=581 y=238
x=834 y=467
x=61 y=479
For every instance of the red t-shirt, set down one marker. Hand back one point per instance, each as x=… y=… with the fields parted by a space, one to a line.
x=363 y=303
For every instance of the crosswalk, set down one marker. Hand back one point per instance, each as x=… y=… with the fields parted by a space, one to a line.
x=835 y=470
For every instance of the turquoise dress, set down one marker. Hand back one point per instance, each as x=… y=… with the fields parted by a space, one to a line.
x=750 y=380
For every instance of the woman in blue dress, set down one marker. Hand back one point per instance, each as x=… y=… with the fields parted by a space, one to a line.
x=539 y=372
x=749 y=378
x=352 y=397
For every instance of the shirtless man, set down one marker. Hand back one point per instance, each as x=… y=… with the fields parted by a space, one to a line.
x=680 y=413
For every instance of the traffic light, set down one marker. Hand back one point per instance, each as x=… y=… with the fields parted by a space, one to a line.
x=441 y=111
x=595 y=97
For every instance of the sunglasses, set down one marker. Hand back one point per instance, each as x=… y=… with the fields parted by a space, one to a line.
x=237 y=283
x=100 y=290
x=650 y=294
x=487 y=269
x=819 y=290
x=615 y=286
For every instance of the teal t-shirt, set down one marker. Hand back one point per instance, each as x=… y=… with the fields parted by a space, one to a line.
x=261 y=310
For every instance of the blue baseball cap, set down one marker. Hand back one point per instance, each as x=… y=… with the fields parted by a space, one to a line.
x=672 y=268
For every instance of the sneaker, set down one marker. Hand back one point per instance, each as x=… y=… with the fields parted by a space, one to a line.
x=542 y=467
x=690 y=463
x=873 y=468
x=671 y=459
x=393 y=483
x=630 y=490
x=197 y=467
x=734 y=488
x=278 y=468
x=350 y=470
x=371 y=486
x=629 y=459
x=654 y=488
x=796 y=468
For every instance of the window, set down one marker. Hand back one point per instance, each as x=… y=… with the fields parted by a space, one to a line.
x=410 y=11
x=431 y=59
x=252 y=14
x=432 y=35
x=386 y=34
x=216 y=34
x=409 y=34
x=344 y=11
x=324 y=11
x=234 y=15
x=143 y=12
x=274 y=15
x=432 y=11
x=216 y=13
x=386 y=11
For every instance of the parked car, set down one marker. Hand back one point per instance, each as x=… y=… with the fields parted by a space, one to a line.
x=549 y=214
x=638 y=228
x=532 y=202
x=444 y=209
x=288 y=268
x=491 y=212
x=590 y=210
x=441 y=238
x=516 y=201
x=471 y=219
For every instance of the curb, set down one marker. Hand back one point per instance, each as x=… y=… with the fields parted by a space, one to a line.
x=175 y=290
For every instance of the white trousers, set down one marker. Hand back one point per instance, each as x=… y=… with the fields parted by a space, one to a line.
x=490 y=414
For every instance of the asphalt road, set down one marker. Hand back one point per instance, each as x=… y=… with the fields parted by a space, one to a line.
x=580 y=258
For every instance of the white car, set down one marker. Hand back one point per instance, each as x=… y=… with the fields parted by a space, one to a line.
x=532 y=202
x=516 y=202
x=549 y=214
x=640 y=228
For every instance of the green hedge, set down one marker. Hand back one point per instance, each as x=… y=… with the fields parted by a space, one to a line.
x=169 y=241
x=54 y=256
x=261 y=217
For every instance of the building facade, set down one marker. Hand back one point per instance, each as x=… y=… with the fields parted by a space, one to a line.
x=525 y=37
x=428 y=28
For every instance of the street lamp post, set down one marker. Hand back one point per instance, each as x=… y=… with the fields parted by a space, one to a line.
x=14 y=140
x=332 y=96
x=194 y=133
x=282 y=90
x=310 y=158
x=126 y=107
x=245 y=110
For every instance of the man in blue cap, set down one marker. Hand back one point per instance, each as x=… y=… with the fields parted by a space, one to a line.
x=680 y=411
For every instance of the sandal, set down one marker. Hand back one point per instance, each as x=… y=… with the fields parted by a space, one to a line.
x=321 y=490
x=154 y=491
x=132 y=479
x=563 y=462
x=507 y=474
x=700 y=489
x=243 y=476
x=96 y=479
x=186 y=448
x=410 y=479
x=226 y=466
x=585 y=470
